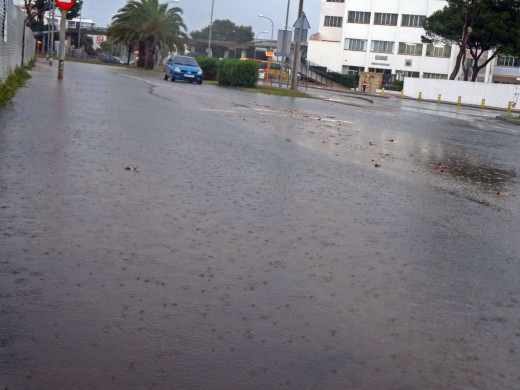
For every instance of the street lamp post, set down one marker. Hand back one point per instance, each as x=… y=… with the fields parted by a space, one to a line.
x=79 y=28
x=272 y=27
x=263 y=32
x=235 y=32
x=53 y=9
x=210 y=28
x=282 y=65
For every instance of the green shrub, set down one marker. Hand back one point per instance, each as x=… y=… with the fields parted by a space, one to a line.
x=209 y=66
x=391 y=87
x=14 y=80
x=399 y=84
x=238 y=73
x=347 y=80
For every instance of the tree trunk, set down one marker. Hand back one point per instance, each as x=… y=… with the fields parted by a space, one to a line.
x=458 y=61
x=129 y=47
x=477 y=68
x=142 y=54
x=150 y=48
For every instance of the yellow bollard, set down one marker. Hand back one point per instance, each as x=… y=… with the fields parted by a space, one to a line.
x=439 y=99
x=509 y=104
x=383 y=92
x=420 y=96
x=402 y=94
x=459 y=101
x=483 y=105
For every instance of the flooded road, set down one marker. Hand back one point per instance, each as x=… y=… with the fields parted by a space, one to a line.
x=257 y=242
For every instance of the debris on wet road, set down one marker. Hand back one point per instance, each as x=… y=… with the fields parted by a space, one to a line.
x=266 y=242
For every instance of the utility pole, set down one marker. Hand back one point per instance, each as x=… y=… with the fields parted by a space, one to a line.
x=79 y=29
x=52 y=32
x=294 y=78
x=210 y=54
x=282 y=64
x=61 y=55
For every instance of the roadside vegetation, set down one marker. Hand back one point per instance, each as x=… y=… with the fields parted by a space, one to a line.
x=15 y=80
x=514 y=117
x=146 y=25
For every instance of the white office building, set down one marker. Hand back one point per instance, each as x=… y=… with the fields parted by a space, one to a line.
x=385 y=36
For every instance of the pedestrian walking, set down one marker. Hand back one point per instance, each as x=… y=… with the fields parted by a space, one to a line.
x=365 y=85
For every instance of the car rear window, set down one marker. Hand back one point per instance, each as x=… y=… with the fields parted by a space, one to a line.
x=185 y=61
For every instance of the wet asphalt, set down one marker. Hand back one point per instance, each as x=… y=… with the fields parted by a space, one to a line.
x=256 y=242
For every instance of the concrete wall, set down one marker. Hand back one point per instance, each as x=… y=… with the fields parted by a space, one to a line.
x=496 y=95
x=330 y=50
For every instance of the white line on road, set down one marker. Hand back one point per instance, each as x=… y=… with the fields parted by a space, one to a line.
x=273 y=114
x=211 y=110
x=334 y=120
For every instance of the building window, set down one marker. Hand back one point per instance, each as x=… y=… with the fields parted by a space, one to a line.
x=438 y=50
x=383 y=46
x=413 y=20
x=356 y=44
x=406 y=73
x=335 y=1
x=437 y=76
x=410 y=48
x=333 y=21
x=358 y=17
x=353 y=70
x=508 y=61
x=385 y=19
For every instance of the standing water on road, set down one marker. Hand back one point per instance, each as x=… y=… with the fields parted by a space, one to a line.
x=256 y=242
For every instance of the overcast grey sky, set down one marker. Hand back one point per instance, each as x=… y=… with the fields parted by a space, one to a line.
x=241 y=12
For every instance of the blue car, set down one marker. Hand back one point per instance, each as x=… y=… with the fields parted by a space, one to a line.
x=183 y=68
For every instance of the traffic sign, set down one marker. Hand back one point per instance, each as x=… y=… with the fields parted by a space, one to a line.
x=65 y=4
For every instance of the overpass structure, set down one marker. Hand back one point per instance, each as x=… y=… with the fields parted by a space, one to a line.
x=232 y=49
x=197 y=45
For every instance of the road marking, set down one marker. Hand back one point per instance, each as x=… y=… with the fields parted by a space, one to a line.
x=211 y=110
x=334 y=120
x=273 y=114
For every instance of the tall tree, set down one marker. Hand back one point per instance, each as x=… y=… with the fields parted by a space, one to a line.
x=225 y=30
x=496 y=33
x=147 y=24
x=454 y=24
x=36 y=9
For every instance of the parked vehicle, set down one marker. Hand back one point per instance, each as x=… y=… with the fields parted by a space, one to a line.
x=183 y=68
x=274 y=69
x=111 y=59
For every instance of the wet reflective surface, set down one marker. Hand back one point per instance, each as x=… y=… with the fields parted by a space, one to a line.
x=257 y=245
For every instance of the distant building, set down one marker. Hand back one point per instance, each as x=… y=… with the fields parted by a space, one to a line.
x=384 y=36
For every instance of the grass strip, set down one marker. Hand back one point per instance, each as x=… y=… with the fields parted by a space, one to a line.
x=266 y=90
x=15 y=80
x=517 y=118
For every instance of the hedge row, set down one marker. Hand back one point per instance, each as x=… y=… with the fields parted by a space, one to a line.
x=229 y=71
x=209 y=67
x=397 y=85
x=237 y=73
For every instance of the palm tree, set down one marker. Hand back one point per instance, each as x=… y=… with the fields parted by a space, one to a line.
x=148 y=24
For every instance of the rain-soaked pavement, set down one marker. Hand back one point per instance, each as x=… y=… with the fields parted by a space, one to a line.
x=260 y=243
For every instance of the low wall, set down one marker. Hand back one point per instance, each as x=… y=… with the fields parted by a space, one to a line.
x=496 y=95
